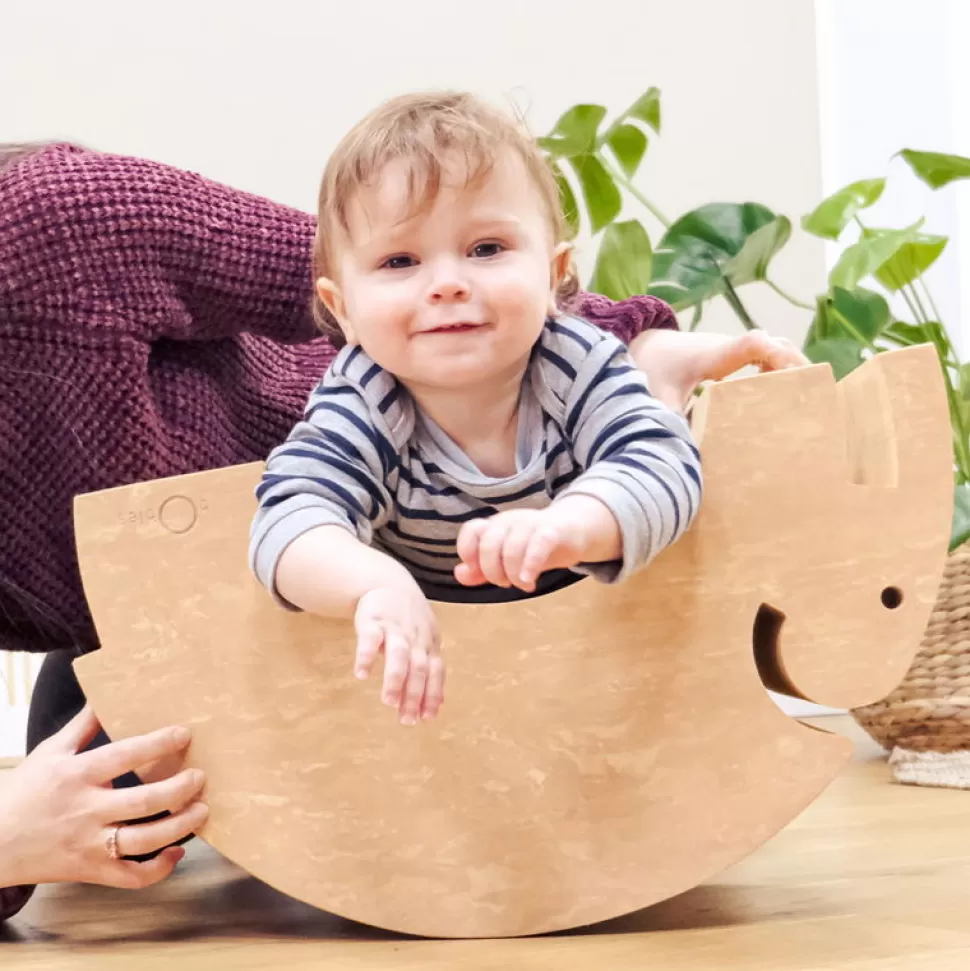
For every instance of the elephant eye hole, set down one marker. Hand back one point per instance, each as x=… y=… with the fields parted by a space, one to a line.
x=891 y=597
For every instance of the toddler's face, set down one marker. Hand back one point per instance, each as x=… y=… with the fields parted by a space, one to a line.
x=454 y=295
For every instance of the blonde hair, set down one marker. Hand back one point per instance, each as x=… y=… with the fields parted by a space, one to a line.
x=420 y=129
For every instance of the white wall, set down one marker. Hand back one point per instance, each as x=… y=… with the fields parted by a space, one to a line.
x=257 y=94
x=17 y=675
x=894 y=74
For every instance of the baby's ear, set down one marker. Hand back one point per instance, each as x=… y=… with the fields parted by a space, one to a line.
x=331 y=297
x=562 y=267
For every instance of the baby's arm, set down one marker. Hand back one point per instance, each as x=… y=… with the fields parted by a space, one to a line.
x=638 y=492
x=321 y=498
x=639 y=461
x=676 y=363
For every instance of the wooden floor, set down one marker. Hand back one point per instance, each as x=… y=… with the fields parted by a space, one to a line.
x=874 y=876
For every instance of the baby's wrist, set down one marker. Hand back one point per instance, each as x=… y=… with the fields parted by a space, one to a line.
x=590 y=525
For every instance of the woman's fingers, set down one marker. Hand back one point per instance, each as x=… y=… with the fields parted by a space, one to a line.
x=137 y=802
x=77 y=733
x=115 y=759
x=128 y=875
x=141 y=838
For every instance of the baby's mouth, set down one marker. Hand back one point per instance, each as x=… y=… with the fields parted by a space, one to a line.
x=456 y=328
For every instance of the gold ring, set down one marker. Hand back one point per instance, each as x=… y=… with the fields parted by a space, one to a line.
x=112 y=841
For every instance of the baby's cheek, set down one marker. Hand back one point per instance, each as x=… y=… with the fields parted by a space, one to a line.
x=524 y=296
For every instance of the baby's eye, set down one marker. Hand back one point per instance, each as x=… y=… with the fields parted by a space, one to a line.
x=483 y=251
x=399 y=262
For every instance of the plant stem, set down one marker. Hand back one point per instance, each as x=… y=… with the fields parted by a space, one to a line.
x=961 y=445
x=857 y=335
x=937 y=336
x=932 y=302
x=787 y=296
x=734 y=301
x=912 y=308
x=621 y=178
x=919 y=303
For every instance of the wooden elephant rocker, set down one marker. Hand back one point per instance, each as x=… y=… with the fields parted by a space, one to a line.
x=601 y=748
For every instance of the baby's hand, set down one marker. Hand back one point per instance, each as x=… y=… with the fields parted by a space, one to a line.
x=513 y=548
x=401 y=623
x=754 y=347
x=677 y=362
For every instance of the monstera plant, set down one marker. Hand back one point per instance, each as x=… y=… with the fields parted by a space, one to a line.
x=720 y=247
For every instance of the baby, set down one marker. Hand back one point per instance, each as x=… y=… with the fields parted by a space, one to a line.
x=468 y=432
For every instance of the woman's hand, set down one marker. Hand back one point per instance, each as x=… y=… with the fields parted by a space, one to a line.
x=61 y=820
x=677 y=362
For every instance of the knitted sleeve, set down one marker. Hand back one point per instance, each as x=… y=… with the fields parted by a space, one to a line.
x=159 y=252
x=624 y=319
x=93 y=239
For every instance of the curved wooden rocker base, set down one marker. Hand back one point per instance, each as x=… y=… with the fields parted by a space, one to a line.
x=601 y=748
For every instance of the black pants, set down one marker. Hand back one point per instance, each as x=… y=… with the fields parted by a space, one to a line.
x=56 y=699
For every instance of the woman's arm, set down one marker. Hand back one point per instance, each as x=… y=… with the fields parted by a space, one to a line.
x=624 y=319
x=121 y=243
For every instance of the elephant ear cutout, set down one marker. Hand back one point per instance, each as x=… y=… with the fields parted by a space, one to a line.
x=601 y=748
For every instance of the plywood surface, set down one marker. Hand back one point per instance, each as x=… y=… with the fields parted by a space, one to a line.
x=601 y=748
x=872 y=877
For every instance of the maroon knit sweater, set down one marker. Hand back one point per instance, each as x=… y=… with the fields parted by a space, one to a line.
x=152 y=323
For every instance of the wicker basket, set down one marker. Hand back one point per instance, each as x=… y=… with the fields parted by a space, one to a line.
x=925 y=722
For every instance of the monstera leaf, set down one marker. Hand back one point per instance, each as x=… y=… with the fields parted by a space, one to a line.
x=715 y=248
x=579 y=141
x=910 y=261
x=846 y=323
x=864 y=257
x=833 y=214
x=935 y=168
x=624 y=261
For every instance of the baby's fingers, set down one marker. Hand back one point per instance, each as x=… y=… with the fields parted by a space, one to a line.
x=514 y=548
x=370 y=640
x=538 y=552
x=434 y=690
x=784 y=354
x=397 y=657
x=469 y=571
x=469 y=539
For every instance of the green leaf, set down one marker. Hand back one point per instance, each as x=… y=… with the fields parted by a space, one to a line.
x=567 y=199
x=860 y=315
x=603 y=201
x=935 y=168
x=698 y=251
x=647 y=108
x=910 y=261
x=843 y=354
x=624 y=261
x=629 y=145
x=751 y=263
x=833 y=214
x=960 y=530
x=863 y=258
x=906 y=335
x=575 y=132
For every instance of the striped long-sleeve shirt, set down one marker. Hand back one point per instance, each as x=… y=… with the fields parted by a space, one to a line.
x=365 y=458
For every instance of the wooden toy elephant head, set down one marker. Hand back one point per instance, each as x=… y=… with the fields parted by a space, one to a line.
x=601 y=748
